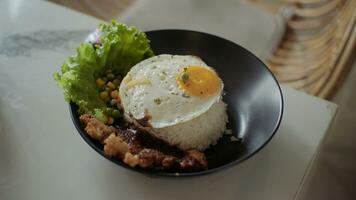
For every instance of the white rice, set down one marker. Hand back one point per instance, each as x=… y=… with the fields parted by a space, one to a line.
x=198 y=133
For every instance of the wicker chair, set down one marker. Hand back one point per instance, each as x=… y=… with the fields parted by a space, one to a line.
x=318 y=48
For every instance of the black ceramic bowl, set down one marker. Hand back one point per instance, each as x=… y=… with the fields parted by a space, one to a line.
x=253 y=96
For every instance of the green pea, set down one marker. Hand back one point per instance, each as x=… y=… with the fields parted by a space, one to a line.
x=110 y=76
x=113 y=102
x=116 y=114
x=109 y=111
x=109 y=71
x=104 y=79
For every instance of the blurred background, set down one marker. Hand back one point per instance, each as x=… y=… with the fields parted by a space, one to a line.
x=308 y=44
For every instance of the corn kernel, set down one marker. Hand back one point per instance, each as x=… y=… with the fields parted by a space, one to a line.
x=116 y=82
x=110 y=85
x=114 y=94
x=100 y=82
x=104 y=95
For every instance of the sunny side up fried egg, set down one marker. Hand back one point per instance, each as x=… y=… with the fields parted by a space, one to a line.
x=170 y=89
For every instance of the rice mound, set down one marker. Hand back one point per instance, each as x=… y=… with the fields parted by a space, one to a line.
x=198 y=133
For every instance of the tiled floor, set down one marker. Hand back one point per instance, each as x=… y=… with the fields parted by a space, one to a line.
x=334 y=173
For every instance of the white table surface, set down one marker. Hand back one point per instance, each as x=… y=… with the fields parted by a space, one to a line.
x=231 y=20
x=43 y=157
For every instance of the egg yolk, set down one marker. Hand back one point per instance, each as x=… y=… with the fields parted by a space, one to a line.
x=198 y=81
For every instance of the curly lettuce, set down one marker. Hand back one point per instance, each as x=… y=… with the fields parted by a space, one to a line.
x=120 y=48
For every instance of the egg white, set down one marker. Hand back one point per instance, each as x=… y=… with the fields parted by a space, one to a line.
x=150 y=89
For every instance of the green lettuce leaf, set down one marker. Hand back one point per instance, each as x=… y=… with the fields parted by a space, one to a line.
x=121 y=48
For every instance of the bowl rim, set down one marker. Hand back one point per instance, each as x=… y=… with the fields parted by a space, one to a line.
x=88 y=140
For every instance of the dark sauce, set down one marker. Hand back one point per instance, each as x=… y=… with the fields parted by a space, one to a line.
x=139 y=139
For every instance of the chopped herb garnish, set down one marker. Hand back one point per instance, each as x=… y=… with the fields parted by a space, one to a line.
x=157 y=101
x=162 y=75
x=185 y=95
x=185 y=77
